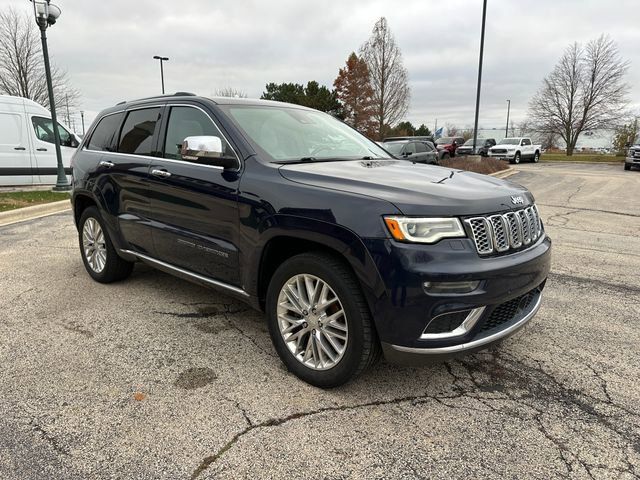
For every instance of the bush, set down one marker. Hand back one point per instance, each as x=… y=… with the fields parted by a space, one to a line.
x=483 y=165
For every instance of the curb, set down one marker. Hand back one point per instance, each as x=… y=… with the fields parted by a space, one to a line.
x=578 y=162
x=36 y=211
x=504 y=173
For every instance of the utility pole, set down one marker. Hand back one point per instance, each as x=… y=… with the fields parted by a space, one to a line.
x=66 y=97
x=475 y=127
x=82 y=117
x=506 y=130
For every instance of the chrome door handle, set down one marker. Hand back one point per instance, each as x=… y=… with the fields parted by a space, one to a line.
x=106 y=164
x=160 y=173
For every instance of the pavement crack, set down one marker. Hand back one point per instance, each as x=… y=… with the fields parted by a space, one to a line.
x=591 y=283
x=611 y=212
x=276 y=422
x=48 y=437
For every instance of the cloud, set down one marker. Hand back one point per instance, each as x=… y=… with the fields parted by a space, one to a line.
x=107 y=47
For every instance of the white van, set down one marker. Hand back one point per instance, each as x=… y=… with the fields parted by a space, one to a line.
x=27 y=151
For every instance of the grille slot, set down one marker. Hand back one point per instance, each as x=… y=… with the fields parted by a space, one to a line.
x=507 y=311
x=509 y=231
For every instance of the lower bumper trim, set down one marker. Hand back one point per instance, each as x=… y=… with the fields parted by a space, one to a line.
x=472 y=345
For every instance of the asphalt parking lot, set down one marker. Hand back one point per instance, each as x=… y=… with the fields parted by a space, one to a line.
x=158 y=378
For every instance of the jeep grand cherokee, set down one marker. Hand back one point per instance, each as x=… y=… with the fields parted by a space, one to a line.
x=348 y=252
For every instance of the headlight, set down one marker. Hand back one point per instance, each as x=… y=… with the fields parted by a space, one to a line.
x=424 y=230
x=511 y=149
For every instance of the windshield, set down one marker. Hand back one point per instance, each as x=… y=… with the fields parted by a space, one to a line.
x=395 y=148
x=290 y=134
x=444 y=141
x=510 y=141
x=479 y=141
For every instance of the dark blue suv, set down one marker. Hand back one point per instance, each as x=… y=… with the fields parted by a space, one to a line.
x=350 y=253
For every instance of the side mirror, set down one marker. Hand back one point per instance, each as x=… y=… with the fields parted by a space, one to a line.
x=206 y=149
x=406 y=154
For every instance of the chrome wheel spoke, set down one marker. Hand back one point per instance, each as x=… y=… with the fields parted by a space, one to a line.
x=94 y=245
x=312 y=322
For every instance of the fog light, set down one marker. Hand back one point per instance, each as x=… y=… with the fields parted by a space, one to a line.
x=451 y=287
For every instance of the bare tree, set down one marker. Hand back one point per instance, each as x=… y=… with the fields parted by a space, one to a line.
x=229 y=92
x=22 y=71
x=585 y=91
x=388 y=76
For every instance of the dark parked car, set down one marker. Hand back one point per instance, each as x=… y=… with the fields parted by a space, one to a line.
x=449 y=145
x=349 y=253
x=482 y=146
x=421 y=152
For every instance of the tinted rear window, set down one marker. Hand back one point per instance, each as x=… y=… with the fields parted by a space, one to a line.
x=104 y=136
x=137 y=131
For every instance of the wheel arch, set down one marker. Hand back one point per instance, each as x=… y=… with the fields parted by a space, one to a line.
x=283 y=242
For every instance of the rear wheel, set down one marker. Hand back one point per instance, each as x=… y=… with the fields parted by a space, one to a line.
x=319 y=322
x=98 y=253
x=536 y=157
x=445 y=156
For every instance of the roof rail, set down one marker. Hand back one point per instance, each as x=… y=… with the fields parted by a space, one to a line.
x=177 y=94
x=184 y=94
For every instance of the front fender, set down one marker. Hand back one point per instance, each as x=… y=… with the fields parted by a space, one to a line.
x=330 y=235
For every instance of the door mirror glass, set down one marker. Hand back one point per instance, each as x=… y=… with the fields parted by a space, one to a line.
x=205 y=149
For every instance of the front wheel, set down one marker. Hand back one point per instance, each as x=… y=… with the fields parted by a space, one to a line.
x=627 y=166
x=516 y=158
x=319 y=321
x=98 y=253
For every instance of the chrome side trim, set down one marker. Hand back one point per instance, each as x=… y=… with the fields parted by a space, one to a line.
x=461 y=329
x=476 y=343
x=210 y=281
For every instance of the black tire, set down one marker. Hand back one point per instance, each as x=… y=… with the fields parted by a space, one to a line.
x=516 y=159
x=627 y=166
x=536 y=157
x=445 y=156
x=115 y=268
x=362 y=345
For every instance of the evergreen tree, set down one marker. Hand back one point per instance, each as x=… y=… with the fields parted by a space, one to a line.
x=313 y=95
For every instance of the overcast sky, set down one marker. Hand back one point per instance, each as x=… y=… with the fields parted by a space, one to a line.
x=107 y=47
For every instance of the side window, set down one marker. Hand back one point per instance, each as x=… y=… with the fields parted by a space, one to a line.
x=187 y=122
x=410 y=148
x=137 y=132
x=420 y=147
x=104 y=135
x=43 y=128
x=10 y=131
x=527 y=141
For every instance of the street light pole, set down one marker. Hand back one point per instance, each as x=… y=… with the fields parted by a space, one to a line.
x=506 y=130
x=46 y=14
x=162 y=59
x=475 y=127
x=82 y=117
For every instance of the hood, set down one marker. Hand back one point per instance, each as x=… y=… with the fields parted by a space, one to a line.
x=506 y=145
x=414 y=188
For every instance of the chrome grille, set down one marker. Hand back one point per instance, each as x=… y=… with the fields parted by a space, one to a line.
x=504 y=232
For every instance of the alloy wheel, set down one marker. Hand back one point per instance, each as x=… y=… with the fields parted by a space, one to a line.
x=93 y=243
x=312 y=322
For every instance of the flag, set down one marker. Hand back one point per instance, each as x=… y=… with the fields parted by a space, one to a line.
x=439 y=132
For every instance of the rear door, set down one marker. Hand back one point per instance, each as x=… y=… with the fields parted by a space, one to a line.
x=44 y=149
x=421 y=154
x=194 y=205
x=15 y=157
x=125 y=143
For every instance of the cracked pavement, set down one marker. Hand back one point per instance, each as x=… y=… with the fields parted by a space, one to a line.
x=155 y=377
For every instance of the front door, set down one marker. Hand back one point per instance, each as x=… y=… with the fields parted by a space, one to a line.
x=193 y=205
x=44 y=149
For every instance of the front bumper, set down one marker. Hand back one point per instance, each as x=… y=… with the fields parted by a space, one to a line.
x=502 y=156
x=632 y=161
x=406 y=309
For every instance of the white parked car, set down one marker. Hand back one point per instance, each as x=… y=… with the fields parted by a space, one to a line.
x=516 y=150
x=27 y=151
